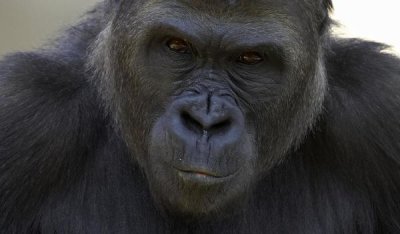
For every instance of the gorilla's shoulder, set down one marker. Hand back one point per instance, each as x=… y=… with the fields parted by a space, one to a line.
x=363 y=104
x=43 y=99
x=362 y=66
x=366 y=75
x=39 y=74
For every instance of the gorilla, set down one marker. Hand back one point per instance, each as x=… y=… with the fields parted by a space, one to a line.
x=200 y=116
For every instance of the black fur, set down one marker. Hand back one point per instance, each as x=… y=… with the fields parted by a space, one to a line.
x=67 y=167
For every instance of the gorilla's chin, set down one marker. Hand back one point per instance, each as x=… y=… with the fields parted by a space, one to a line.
x=192 y=195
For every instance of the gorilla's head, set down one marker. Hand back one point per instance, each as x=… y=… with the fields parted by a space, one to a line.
x=210 y=95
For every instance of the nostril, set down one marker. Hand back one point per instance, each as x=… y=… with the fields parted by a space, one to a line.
x=220 y=127
x=217 y=128
x=190 y=123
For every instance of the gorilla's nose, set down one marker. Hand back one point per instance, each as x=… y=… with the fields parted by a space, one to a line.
x=202 y=121
x=216 y=116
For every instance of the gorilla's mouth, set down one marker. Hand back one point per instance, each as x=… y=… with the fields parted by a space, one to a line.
x=199 y=171
x=202 y=176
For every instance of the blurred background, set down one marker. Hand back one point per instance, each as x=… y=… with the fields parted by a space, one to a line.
x=26 y=24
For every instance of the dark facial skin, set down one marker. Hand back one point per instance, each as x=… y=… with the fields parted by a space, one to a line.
x=223 y=97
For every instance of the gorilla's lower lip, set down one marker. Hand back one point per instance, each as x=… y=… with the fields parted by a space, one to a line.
x=202 y=177
x=197 y=178
x=200 y=172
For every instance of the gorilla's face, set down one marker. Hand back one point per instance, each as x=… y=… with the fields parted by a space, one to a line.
x=208 y=100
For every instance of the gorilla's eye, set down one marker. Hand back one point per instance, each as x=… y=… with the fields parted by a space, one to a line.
x=179 y=46
x=250 y=58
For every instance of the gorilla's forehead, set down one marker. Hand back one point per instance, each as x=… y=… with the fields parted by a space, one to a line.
x=238 y=7
x=242 y=4
x=292 y=13
x=257 y=19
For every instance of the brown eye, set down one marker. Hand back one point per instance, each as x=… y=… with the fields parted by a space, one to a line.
x=179 y=46
x=250 y=58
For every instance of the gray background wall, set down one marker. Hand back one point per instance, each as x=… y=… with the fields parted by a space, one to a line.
x=26 y=24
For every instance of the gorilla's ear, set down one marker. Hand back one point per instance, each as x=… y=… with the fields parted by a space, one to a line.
x=114 y=3
x=113 y=6
x=326 y=6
